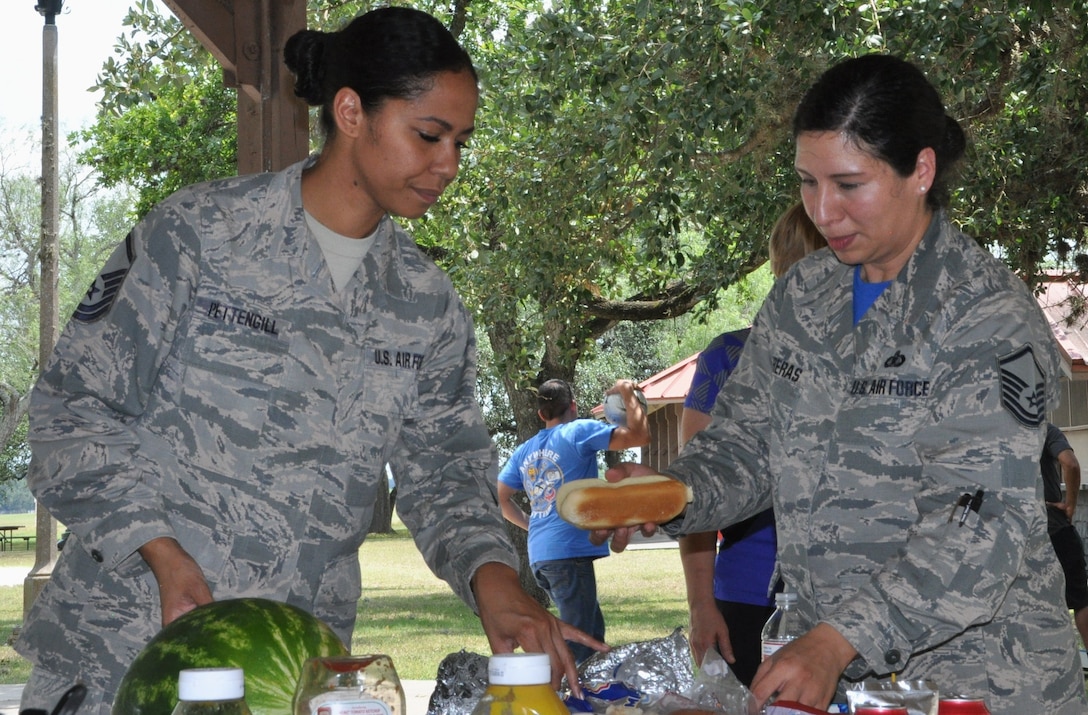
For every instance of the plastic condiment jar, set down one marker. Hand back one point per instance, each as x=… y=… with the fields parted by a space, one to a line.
x=349 y=685
x=520 y=684
x=211 y=691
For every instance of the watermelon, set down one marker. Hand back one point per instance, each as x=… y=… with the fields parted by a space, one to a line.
x=269 y=640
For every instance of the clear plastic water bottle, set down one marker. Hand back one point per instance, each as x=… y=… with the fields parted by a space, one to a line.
x=211 y=691
x=783 y=626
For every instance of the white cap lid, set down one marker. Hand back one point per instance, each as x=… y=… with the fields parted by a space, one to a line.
x=785 y=597
x=519 y=669
x=211 y=684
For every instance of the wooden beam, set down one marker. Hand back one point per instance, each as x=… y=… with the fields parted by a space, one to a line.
x=211 y=22
x=247 y=37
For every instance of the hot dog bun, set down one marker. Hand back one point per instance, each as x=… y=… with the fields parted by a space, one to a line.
x=597 y=504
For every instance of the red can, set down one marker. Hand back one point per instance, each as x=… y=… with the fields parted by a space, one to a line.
x=962 y=706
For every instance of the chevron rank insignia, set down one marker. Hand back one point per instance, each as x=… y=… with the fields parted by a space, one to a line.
x=100 y=296
x=1023 y=387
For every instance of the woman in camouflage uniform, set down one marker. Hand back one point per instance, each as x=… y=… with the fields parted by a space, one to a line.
x=217 y=416
x=890 y=405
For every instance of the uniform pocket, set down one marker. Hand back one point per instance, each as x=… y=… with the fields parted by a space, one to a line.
x=389 y=392
x=229 y=376
x=882 y=414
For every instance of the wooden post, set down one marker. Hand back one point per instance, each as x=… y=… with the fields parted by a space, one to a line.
x=45 y=551
x=247 y=39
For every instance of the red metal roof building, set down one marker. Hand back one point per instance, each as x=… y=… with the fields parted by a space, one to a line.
x=1065 y=301
x=1059 y=299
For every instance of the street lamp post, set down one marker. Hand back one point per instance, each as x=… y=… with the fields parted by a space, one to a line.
x=48 y=311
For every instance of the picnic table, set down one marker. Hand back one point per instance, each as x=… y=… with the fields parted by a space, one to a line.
x=7 y=537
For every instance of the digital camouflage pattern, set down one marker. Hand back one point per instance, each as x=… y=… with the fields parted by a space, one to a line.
x=865 y=438
x=225 y=395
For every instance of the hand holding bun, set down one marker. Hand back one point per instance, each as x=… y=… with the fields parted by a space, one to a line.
x=596 y=504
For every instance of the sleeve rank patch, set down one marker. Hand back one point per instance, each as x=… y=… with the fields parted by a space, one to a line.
x=1023 y=386
x=103 y=291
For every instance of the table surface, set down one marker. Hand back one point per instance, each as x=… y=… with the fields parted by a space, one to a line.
x=10 y=527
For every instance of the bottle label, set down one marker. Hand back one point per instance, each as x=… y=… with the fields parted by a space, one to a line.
x=346 y=704
x=771 y=646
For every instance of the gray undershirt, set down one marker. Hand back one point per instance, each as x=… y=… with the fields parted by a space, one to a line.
x=343 y=254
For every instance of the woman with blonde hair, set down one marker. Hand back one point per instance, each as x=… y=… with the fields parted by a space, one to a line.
x=793 y=237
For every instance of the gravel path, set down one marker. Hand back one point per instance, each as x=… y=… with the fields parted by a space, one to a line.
x=12 y=575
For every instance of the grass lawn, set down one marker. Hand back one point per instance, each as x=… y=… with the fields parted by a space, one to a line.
x=409 y=614
x=13 y=668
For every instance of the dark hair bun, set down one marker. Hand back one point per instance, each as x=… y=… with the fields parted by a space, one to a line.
x=303 y=55
x=387 y=53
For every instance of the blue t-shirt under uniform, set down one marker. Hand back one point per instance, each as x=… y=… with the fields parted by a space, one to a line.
x=865 y=294
x=744 y=565
x=552 y=457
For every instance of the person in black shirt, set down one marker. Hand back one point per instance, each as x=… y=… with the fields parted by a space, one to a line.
x=1059 y=464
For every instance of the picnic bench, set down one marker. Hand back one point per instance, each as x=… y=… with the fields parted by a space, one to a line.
x=8 y=538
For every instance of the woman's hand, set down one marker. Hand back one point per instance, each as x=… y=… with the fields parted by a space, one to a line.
x=182 y=586
x=709 y=630
x=511 y=618
x=806 y=670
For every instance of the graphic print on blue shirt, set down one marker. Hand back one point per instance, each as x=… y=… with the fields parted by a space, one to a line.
x=545 y=478
x=540 y=466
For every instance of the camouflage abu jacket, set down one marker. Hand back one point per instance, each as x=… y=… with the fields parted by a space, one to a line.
x=213 y=387
x=864 y=439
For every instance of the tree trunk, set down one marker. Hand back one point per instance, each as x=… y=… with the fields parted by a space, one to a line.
x=13 y=408
x=382 y=521
x=520 y=539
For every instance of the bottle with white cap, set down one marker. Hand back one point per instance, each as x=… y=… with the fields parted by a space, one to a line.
x=211 y=691
x=783 y=626
x=520 y=684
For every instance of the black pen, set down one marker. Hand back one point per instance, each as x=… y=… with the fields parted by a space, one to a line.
x=962 y=502
x=972 y=506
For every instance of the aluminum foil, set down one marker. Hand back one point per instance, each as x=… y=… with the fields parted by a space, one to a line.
x=634 y=675
x=459 y=685
x=654 y=676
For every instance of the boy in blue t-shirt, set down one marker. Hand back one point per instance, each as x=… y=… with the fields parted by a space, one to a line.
x=560 y=555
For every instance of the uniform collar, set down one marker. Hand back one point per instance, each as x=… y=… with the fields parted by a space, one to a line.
x=822 y=286
x=381 y=265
